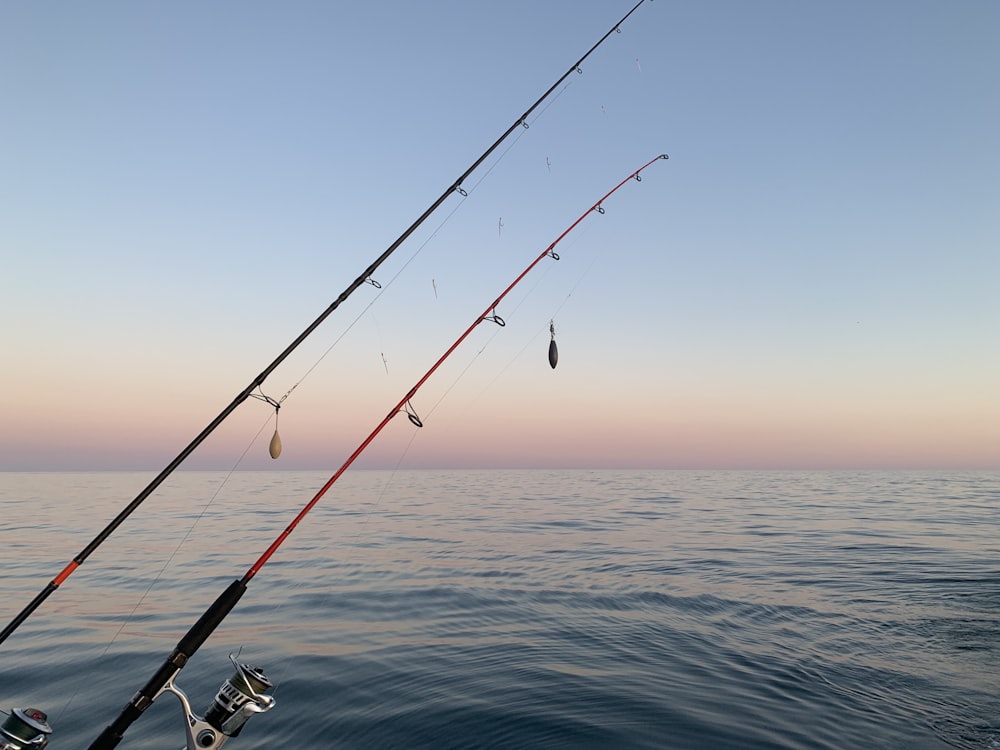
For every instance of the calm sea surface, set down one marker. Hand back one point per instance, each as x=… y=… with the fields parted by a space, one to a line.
x=523 y=609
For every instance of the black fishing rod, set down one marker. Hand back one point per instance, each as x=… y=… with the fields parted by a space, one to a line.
x=365 y=276
x=163 y=678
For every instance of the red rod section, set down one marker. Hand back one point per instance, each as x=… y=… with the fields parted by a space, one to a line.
x=255 y=568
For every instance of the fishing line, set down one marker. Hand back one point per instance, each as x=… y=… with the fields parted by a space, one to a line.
x=550 y=328
x=509 y=316
x=384 y=287
x=530 y=341
x=472 y=360
x=187 y=535
x=169 y=560
x=489 y=385
x=87 y=679
x=519 y=136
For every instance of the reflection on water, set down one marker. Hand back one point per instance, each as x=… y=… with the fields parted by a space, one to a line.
x=524 y=608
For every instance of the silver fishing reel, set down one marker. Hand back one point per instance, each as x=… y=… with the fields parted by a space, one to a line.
x=239 y=698
x=25 y=729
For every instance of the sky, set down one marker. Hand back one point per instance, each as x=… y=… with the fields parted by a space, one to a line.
x=809 y=281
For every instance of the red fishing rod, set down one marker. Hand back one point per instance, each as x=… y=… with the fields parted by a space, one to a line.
x=366 y=276
x=204 y=732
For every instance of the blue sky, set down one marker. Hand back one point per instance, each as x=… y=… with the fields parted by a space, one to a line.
x=810 y=280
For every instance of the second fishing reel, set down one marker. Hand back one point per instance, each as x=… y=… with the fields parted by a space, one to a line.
x=239 y=698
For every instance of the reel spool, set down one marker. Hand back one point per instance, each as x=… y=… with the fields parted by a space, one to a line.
x=25 y=729
x=239 y=698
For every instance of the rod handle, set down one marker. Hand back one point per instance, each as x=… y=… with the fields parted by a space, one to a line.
x=185 y=648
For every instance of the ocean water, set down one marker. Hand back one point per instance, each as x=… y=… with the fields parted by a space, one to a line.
x=523 y=609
